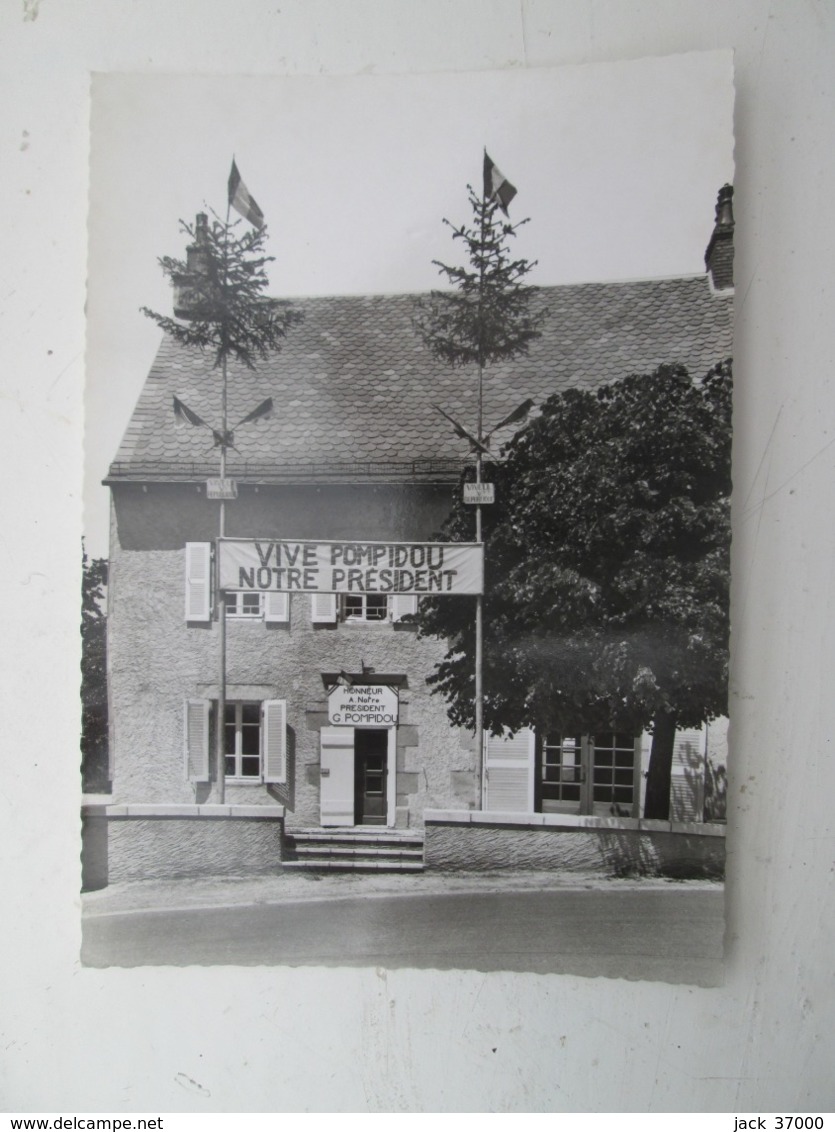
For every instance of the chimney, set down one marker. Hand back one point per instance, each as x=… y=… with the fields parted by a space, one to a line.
x=719 y=257
x=197 y=264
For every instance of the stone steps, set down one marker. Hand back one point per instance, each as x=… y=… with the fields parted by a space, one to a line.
x=350 y=850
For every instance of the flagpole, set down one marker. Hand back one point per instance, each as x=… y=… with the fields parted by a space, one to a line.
x=479 y=601
x=220 y=768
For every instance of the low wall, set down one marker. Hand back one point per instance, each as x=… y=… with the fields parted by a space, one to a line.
x=480 y=841
x=148 y=842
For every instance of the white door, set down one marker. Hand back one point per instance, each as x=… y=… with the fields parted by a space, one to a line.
x=336 y=789
x=509 y=772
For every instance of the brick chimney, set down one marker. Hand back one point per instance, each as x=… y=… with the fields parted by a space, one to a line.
x=197 y=262
x=719 y=257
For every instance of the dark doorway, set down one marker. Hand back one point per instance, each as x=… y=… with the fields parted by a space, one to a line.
x=370 y=758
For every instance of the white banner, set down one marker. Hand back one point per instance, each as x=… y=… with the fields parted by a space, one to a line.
x=439 y=568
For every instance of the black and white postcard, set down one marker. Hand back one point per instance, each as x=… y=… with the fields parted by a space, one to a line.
x=407 y=520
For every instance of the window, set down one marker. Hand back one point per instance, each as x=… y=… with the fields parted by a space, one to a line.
x=242 y=741
x=613 y=779
x=561 y=767
x=244 y=604
x=365 y=607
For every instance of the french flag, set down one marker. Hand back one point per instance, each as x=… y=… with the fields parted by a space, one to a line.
x=241 y=201
x=496 y=185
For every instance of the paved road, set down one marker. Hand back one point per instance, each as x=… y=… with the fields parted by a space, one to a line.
x=672 y=934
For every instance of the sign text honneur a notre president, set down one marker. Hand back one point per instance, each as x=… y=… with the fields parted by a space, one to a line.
x=351 y=567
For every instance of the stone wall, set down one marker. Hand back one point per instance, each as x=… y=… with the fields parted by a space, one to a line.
x=480 y=842
x=126 y=843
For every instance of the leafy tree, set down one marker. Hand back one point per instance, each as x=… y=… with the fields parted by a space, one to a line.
x=607 y=568
x=94 y=741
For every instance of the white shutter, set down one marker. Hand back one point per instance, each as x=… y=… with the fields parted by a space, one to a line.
x=509 y=772
x=276 y=606
x=687 y=779
x=402 y=605
x=198 y=581
x=196 y=733
x=336 y=788
x=323 y=609
x=274 y=741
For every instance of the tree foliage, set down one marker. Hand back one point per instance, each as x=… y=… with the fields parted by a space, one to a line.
x=489 y=315
x=607 y=567
x=221 y=287
x=94 y=719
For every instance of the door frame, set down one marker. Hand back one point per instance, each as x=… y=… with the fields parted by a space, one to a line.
x=391 y=773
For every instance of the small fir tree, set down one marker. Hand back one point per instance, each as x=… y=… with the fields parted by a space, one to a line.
x=220 y=302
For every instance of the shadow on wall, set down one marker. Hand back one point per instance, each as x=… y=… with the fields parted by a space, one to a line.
x=716 y=793
x=687 y=791
x=676 y=856
x=285 y=793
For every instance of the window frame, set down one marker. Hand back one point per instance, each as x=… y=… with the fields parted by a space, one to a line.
x=238 y=777
x=238 y=614
x=363 y=618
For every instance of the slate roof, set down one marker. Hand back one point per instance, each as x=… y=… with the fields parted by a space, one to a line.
x=353 y=387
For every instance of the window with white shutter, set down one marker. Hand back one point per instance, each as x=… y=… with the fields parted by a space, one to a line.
x=403 y=605
x=198 y=581
x=196 y=732
x=276 y=607
x=509 y=772
x=275 y=741
x=323 y=609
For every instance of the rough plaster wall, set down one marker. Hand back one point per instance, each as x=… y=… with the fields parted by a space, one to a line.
x=611 y=853
x=192 y=847
x=157 y=660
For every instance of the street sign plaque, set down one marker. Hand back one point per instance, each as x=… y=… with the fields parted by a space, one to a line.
x=479 y=493
x=221 y=489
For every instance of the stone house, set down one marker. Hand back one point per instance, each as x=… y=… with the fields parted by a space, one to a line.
x=353 y=452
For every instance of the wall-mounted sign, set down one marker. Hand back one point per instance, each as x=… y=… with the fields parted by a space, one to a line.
x=437 y=568
x=365 y=705
x=479 y=493
x=221 y=489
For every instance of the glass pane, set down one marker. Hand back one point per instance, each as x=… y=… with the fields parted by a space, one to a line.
x=353 y=605
x=602 y=774
x=251 y=713
x=251 y=603
x=623 y=794
x=229 y=741
x=623 y=777
x=571 y=793
x=377 y=607
x=625 y=758
x=603 y=758
x=230 y=767
x=250 y=767
x=231 y=604
x=229 y=714
x=250 y=740
x=602 y=793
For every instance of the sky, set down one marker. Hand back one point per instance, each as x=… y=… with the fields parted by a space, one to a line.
x=617 y=166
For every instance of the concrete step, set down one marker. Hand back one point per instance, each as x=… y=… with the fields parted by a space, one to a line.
x=354 y=849
x=349 y=851
x=358 y=836
x=332 y=865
